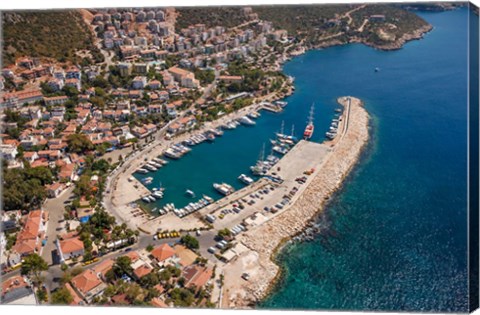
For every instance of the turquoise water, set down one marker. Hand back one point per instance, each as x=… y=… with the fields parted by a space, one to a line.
x=395 y=237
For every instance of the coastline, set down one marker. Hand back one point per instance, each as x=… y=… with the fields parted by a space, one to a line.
x=265 y=240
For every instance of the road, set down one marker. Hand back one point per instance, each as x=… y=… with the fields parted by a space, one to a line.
x=55 y=208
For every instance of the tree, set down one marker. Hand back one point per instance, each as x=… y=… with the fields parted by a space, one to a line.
x=190 y=241
x=78 y=143
x=33 y=265
x=224 y=233
x=61 y=297
x=122 y=266
x=149 y=247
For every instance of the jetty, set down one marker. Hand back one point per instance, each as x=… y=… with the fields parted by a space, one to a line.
x=262 y=240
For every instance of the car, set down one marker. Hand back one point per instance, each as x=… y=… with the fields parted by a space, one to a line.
x=266 y=208
x=245 y=276
x=128 y=250
x=211 y=250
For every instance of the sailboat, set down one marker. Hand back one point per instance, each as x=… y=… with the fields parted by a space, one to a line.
x=307 y=134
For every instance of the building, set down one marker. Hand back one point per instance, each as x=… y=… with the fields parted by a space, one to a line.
x=19 y=98
x=229 y=79
x=163 y=255
x=17 y=290
x=70 y=248
x=55 y=100
x=88 y=285
x=139 y=82
x=54 y=190
x=8 y=152
x=196 y=276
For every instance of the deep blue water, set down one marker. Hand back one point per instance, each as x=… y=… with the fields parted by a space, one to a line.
x=395 y=237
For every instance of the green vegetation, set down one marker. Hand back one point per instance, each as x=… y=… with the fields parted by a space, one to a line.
x=210 y=16
x=24 y=188
x=224 y=233
x=190 y=241
x=52 y=34
x=205 y=76
x=312 y=22
x=33 y=265
x=61 y=297
x=79 y=143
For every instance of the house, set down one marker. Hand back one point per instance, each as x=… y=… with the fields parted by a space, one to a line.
x=19 y=98
x=70 y=248
x=184 y=77
x=30 y=156
x=55 y=100
x=16 y=290
x=196 y=276
x=77 y=300
x=151 y=128
x=163 y=255
x=139 y=82
x=54 y=190
x=229 y=79
x=29 y=239
x=88 y=285
x=8 y=152
x=56 y=84
x=155 y=109
x=73 y=82
x=154 y=84
x=139 y=132
x=186 y=256
x=67 y=172
x=102 y=268
x=142 y=271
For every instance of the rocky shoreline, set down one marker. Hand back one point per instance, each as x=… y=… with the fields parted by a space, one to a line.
x=394 y=45
x=267 y=239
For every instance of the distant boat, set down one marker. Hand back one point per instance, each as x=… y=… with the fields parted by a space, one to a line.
x=377 y=69
x=190 y=193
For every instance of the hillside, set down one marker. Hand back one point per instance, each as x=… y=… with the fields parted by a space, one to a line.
x=345 y=23
x=210 y=16
x=53 y=34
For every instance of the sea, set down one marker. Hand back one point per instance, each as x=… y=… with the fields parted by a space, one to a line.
x=395 y=236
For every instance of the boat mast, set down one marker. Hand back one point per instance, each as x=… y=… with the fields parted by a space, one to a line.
x=283 y=126
x=293 y=128
x=310 y=116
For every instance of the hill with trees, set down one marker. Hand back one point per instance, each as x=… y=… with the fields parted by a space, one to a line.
x=51 y=34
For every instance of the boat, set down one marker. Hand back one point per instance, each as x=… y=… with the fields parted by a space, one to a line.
x=331 y=135
x=142 y=171
x=307 y=134
x=377 y=69
x=150 y=167
x=245 y=179
x=281 y=103
x=253 y=115
x=151 y=198
x=246 y=121
x=223 y=188
x=170 y=153
x=280 y=150
x=190 y=193
x=146 y=199
x=158 y=194
x=217 y=132
x=210 y=137
x=208 y=199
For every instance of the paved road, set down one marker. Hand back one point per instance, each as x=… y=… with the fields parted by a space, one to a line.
x=55 y=208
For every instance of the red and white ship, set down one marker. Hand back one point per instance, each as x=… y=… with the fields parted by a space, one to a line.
x=308 y=133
